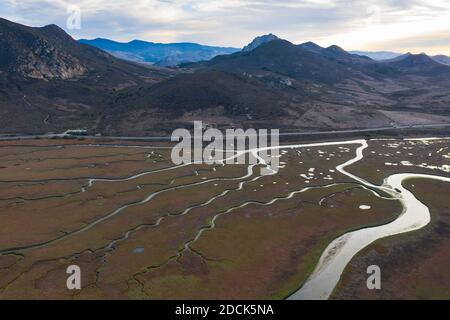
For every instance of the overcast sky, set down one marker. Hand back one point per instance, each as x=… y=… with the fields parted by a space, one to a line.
x=394 y=25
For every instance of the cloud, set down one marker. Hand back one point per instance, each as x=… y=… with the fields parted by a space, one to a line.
x=401 y=25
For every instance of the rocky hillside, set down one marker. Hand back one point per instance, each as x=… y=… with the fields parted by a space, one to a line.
x=259 y=41
x=37 y=53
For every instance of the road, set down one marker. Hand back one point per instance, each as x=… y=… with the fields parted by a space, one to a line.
x=296 y=133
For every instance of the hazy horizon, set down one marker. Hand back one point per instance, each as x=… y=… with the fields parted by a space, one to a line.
x=389 y=25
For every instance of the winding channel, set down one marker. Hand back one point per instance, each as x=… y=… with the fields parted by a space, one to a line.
x=337 y=255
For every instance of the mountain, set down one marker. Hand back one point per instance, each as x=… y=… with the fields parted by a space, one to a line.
x=420 y=64
x=393 y=56
x=280 y=58
x=49 y=53
x=442 y=59
x=50 y=82
x=160 y=54
x=282 y=85
x=259 y=41
x=273 y=85
x=38 y=54
x=377 y=55
x=269 y=86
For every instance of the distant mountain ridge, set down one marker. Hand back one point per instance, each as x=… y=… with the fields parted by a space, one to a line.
x=377 y=55
x=391 y=56
x=442 y=59
x=419 y=64
x=160 y=54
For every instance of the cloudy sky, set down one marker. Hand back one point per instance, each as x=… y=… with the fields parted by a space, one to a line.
x=395 y=25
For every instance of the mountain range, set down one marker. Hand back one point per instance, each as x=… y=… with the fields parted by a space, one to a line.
x=173 y=54
x=159 y=54
x=50 y=83
x=388 y=56
x=378 y=55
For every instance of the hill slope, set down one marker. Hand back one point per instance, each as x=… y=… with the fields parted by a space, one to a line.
x=419 y=64
x=442 y=59
x=160 y=54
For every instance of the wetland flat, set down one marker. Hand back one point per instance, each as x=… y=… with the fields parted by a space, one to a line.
x=141 y=227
